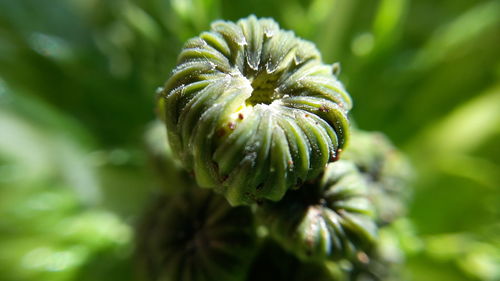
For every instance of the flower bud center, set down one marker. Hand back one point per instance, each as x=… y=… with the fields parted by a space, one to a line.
x=264 y=89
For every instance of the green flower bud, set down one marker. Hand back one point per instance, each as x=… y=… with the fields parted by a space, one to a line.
x=196 y=235
x=386 y=170
x=331 y=218
x=253 y=111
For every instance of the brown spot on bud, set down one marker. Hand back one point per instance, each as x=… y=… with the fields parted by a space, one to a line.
x=363 y=257
x=323 y=109
x=231 y=125
x=336 y=155
x=220 y=132
x=290 y=162
x=240 y=116
x=223 y=178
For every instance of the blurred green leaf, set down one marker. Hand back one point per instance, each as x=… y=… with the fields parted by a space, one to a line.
x=77 y=84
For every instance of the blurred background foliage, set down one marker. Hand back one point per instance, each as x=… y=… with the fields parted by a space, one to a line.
x=77 y=84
